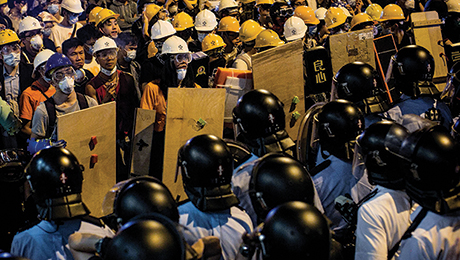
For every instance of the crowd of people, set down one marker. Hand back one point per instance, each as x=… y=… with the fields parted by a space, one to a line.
x=374 y=173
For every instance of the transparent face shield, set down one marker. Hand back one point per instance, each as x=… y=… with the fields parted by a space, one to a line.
x=110 y=197
x=334 y=91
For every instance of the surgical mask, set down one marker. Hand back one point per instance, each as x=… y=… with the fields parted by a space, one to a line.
x=201 y=36
x=12 y=59
x=181 y=74
x=66 y=85
x=73 y=19
x=108 y=72
x=172 y=10
x=47 y=32
x=24 y=9
x=36 y=42
x=130 y=55
x=53 y=9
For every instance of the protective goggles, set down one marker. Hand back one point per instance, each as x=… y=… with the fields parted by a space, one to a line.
x=285 y=12
x=65 y=72
x=183 y=57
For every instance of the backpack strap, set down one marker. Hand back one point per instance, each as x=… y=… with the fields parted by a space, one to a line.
x=82 y=102
x=51 y=111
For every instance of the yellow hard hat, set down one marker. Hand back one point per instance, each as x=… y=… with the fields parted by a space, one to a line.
x=151 y=10
x=247 y=1
x=392 y=12
x=268 y=38
x=92 y=15
x=2 y=2
x=104 y=15
x=8 y=36
x=374 y=11
x=182 y=21
x=212 y=41
x=264 y=2
x=152 y=50
x=335 y=17
x=359 y=19
x=249 y=30
x=307 y=14
x=229 y=24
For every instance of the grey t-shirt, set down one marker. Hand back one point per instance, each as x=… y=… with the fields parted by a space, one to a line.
x=40 y=120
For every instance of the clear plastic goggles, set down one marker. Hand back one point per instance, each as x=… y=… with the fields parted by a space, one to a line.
x=183 y=57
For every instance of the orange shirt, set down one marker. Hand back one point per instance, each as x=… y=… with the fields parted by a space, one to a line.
x=153 y=99
x=31 y=97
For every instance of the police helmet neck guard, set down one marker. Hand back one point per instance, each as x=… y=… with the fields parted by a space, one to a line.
x=277 y=142
x=65 y=207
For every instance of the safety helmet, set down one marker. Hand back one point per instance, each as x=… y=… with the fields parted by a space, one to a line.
x=229 y=24
x=453 y=6
x=41 y=58
x=431 y=163
x=104 y=43
x=56 y=61
x=12 y=164
x=307 y=14
x=360 y=83
x=212 y=41
x=8 y=36
x=320 y=13
x=268 y=38
x=360 y=19
x=73 y=6
x=174 y=45
x=294 y=230
x=92 y=15
x=2 y=2
x=104 y=15
x=161 y=29
x=259 y=113
x=413 y=70
x=392 y=12
x=346 y=12
x=294 y=28
x=144 y=195
x=55 y=177
x=335 y=17
x=276 y=179
x=264 y=2
x=378 y=144
x=152 y=50
x=227 y=4
x=141 y=4
x=182 y=21
x=150 y=237
x=374 y=11
x=340 y=122
x=29 y=23
x=205 y=20
x=249 y=30
x=151 y=10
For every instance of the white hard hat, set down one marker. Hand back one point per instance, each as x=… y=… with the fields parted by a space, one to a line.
x=41 y=58
x=161 y=29
x=104 y=43
x=29 y=23
x=294 y=28
x=224 y=4
x=205 y=21
x=345 y=10
x=174 y=45
x=320 y=13
x=453 y=6
x=73 y=6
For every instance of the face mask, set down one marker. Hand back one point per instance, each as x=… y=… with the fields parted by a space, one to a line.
x=47 y=32
x=66 y=85
x=73 y=19
x=108 y=72
x=12 y=59
x=201 y=36
x=181 y=74
x=6 y=10
x=79 y=75
x=172 y=10
x=53 y=9
x=24 y=9
x=130 y=55
x=36 y=42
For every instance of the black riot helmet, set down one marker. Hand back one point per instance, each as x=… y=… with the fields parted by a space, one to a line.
x=276 y=179
x=56 y=177
x=144 y=195
x=359 y=83
x=339 y=123
x=377 y=143
x=294 y=230
x=150 y=237
x=431 y=162
x=413 y=70
x=206 y=164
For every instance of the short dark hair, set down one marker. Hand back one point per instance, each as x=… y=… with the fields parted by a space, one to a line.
x=88 y=32
x=69 y=44
x=126 y=38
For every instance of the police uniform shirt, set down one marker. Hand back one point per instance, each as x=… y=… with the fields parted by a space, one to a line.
x=382 y=221
x=228 y=225
x=436 y=237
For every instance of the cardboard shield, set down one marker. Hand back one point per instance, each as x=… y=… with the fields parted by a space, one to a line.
x=191 y=112
x=142 y=141
x=90 y=135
